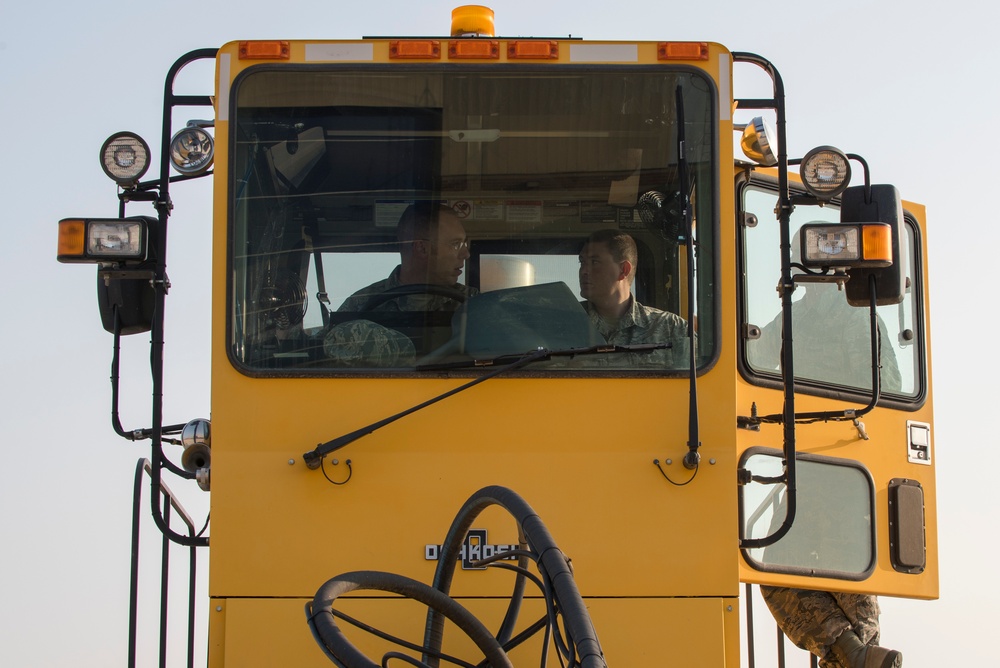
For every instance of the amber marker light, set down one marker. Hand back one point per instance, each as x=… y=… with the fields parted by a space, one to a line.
x=265 y=50
x=532 y=50
x=876 y=243
x=481 y=49
x=425 y=49
x=682 y=51
x=72 y=239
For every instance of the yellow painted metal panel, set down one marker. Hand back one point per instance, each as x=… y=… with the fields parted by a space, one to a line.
x=658 y=632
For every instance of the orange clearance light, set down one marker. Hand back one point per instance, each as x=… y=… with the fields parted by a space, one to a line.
x=72 y=238
x=876 y=241
x=265 y=50
x=682 y=51
x=532 y=50
x=472 y=20
x=482 y=49
x=415 y=48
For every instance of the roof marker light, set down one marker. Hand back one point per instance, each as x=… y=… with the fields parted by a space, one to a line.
x=682 y=51
x=265 y=50
x=426 y=49
x=532 y=49
x=482 y=49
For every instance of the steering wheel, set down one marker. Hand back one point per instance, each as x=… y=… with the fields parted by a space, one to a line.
x=398 y=291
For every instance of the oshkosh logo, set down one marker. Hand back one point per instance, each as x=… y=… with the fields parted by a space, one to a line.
x=475 y=548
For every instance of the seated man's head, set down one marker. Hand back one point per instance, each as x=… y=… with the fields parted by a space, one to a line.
x=607 y=267
x=433 y=245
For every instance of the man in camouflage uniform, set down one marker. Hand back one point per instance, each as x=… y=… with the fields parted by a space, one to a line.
x=841 y=629
x=607 y=267
x=433 y=249
x=831 y=341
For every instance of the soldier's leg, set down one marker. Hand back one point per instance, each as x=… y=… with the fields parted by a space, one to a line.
x=811 y=619
x=862 y=610
x=841 y=629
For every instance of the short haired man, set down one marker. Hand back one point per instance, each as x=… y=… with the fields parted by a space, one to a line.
x=608 y=262
x=433 y=249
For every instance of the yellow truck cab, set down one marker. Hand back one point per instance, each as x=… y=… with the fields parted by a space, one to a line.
x=483 y=465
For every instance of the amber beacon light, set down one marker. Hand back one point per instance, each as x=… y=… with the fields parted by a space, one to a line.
x=472 y=20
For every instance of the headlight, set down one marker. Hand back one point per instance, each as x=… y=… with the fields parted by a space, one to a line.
x=97 y=240
x=125 y=158
x=840 y=245
x=825 y=172
x=192 y=150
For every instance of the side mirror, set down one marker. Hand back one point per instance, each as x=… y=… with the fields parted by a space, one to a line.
x=132 y=298
x=884 y=206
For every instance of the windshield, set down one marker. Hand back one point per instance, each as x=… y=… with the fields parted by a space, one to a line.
x=401 y=216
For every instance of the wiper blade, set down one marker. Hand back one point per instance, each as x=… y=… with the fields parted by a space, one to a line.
x=314 y=457
x=548 y=354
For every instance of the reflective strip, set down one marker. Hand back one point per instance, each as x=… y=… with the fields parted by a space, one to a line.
x=326 y=52
x=604 y=53
x=222 y=103
x=725 y=90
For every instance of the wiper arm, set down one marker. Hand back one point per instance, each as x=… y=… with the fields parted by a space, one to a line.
x=314 y=457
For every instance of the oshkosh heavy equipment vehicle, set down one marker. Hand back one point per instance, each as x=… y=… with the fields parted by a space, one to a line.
x=400 y=470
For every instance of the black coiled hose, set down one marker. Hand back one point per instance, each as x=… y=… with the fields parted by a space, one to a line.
x=582 y=649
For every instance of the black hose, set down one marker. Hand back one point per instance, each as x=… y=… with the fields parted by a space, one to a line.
x=581 y=647
x=347 y=654
x=552 y=564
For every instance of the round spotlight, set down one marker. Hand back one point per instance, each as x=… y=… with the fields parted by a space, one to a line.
x=125 y=158
x=825 y=172
x=760 y=142
x=191 y=151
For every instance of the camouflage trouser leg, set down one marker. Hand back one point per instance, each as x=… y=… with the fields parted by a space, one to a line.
x=813 y=620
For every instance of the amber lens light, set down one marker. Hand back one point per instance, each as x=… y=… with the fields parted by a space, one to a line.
x=877 y=243
x=72 y=239
x=682 y=51
x=533 y=50
x=474 y=49
x=264 y=50
x=429 y=49
x=472 y=20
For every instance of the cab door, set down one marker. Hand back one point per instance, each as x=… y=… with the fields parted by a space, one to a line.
x=865 y=498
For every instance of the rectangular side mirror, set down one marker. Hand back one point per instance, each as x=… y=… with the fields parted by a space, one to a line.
x=885 y=206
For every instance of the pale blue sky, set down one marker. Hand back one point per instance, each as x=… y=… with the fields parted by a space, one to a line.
x=912 y=86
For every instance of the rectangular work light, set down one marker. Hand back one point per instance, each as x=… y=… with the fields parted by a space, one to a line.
x=103 y=240
x=846 y=245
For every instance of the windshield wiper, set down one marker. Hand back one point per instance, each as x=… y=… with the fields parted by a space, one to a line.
x=314 y=457
x=564 y=352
